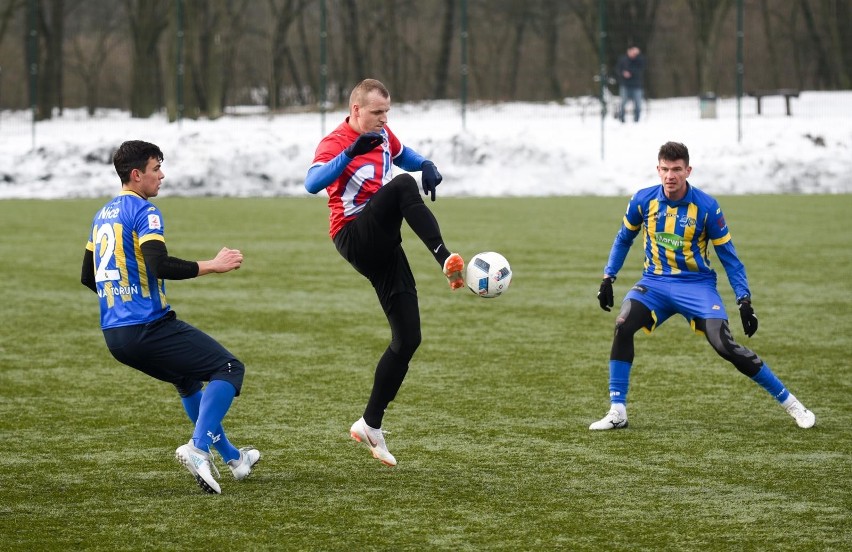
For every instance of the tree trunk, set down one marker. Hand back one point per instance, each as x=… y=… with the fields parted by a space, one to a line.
x=442 y=66
x=51 y=24
x=824 y=74
x=551 y=45
x=351 y=36
x=7 y=15
x=770 y=44
x=707 y=17
x=146 y=19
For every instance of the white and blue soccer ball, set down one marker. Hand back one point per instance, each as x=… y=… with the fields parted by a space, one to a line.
x=488 y=274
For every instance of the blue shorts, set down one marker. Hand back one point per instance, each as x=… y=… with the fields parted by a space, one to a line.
x=692 y=299
x=173 y=351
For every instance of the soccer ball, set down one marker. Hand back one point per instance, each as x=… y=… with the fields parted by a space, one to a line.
x=488 y=274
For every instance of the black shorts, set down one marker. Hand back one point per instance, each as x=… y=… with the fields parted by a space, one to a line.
x=373 y=246
x=173 y=351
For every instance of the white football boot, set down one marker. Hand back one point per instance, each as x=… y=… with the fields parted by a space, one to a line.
x=374 y=439
x=200 y=465
x=804 y=417
x=614 y=419
x=241 y=467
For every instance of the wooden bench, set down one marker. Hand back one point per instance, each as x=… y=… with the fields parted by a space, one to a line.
x=786 y=92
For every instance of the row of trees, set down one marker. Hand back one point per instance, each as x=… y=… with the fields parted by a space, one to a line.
x=195 y=57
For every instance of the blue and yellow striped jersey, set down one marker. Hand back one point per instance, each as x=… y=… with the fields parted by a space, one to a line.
x=129 y=293
x=676 y=235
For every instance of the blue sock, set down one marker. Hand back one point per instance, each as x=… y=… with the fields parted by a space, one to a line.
x=767 y=379
x=619 y=379
x=223 y=446
x=215 y=401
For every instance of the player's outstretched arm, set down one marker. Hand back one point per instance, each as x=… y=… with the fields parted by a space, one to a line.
x=225 y=261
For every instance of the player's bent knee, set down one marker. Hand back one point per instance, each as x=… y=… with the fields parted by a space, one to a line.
x=233 y=372
x=406 y=345
x=720 y=338
x=632 y=316
x=404 y=179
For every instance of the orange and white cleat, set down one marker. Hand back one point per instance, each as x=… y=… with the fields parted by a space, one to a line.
x=454 y=270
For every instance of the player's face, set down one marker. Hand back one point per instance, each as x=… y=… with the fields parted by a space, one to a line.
x=147 y=184
x=372 y=113
x=673 y=175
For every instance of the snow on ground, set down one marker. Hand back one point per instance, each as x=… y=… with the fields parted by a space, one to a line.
x=511 y=149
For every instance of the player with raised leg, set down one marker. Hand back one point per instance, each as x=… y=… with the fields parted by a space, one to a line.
x=367 y=204
x=678 y=223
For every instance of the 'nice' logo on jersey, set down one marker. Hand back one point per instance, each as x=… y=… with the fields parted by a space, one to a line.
x=108 y=213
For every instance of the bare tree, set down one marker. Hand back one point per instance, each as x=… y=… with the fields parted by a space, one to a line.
x=195 y=65
x=352 y=37
x=442 y=67
x=234 y=34
x=146 y=20
x=50 y=22
x=708 y=17
x=7 y=15
x=283 y=15
x=550 y=24
x=90 y=52
x=828 y=37
x=771 y=41
x=839 y=14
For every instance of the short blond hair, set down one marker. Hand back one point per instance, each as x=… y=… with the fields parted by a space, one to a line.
x=365 y=87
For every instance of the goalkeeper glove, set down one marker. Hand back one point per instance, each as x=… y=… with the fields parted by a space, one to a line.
x=605 y=294
x=748 y=317
x=430 y=178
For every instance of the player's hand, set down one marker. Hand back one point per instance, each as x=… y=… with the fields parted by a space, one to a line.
x=363 y=144
x=605 y=297
x=430 y=178
x=227 y=260
x=748 y=317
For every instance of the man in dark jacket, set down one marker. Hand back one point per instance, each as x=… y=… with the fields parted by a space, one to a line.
x=631 y=73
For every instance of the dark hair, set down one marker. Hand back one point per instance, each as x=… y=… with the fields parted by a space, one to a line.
x=672 y=151
x=134 y=154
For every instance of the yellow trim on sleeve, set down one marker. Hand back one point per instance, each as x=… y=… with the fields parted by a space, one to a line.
x=724 y=239
x=629 y=226
x=152 y=237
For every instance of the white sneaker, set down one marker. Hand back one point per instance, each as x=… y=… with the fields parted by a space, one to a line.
x=613 y=420
x=804 y=417
x=200 y=465
x=374 y=439
x=241 y=467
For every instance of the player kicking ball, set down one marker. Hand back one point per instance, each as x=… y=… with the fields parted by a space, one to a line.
x=367 y=204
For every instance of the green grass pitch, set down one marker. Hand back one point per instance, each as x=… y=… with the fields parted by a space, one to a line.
x=490 y=427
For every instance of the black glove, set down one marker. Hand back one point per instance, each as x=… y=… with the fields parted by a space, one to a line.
x=363 y=144
x=430 y=178
x=605 y=294
x=748 y=317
